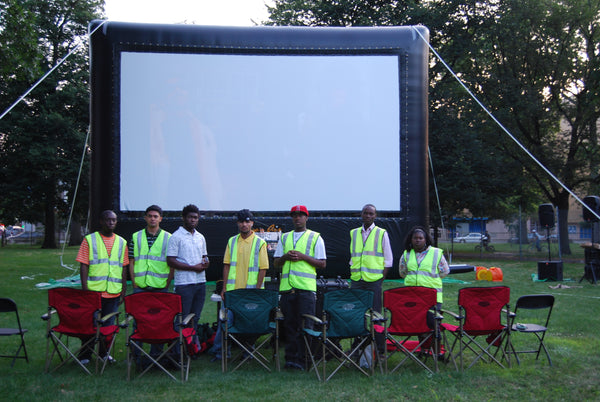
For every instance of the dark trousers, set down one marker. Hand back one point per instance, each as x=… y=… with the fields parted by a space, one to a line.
x=192 y=300
x=109 y=305
x=293 y=305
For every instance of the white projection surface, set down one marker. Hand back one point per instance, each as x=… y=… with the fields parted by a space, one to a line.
x=263 y=132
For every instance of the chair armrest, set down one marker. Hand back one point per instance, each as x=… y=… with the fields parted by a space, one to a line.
x=188 y=318
x=107 y=317
x=48 y=315
x=452 y=314
x=378 y=317
x=313 y=318
x=126 y=321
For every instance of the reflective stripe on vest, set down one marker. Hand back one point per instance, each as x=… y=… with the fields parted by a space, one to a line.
x=299 y=274
x=367 y=259
x=427 y=273
x=253 y=263
x=150 y=265
x=105 y=272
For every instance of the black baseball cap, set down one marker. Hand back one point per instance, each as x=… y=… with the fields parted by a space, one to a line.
x=245 y=215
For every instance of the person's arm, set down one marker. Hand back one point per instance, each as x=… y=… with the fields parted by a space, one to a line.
x=132 y=271
x=403 y=269
x=443 y=267
x=182 y=266
x=261 y=277
x=84 y=270
x=225 y=276
x=124 y=286
x=388 y=257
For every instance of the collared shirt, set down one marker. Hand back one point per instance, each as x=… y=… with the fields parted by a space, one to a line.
x=244 y=250
x=443 y=266
x=187 y=248
x=388 y=257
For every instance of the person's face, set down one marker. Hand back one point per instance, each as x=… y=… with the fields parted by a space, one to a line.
x=299 y=220
x=109 y=222
x=190 y=221
x=418 y=241
x=245 y=227
x=368 y=216
x=152 y=219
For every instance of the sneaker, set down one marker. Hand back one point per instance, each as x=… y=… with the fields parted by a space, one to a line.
x=85 y=361
x=293 y=366
x=110 y=359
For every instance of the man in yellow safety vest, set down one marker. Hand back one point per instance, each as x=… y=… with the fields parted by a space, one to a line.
x=244 y=265
x=299 y=253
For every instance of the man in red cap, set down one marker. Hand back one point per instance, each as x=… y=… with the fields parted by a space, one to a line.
x=299 y=253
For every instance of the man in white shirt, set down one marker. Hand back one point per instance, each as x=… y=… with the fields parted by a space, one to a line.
x=187 y=255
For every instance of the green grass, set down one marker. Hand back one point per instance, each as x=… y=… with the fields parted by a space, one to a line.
x=573 y=343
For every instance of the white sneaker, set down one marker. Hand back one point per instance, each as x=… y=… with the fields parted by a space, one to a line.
x=110 y=359
x=85 y=361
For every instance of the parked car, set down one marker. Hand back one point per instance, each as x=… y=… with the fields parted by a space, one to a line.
x=470 y=238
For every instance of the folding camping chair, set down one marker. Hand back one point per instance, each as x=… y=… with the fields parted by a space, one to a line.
x=347 y=313
x=481 y=312
x=158 y=319
x=247 y=315
x=79 y=317
x=9 y=306
x=408 y=331
x=535 y=308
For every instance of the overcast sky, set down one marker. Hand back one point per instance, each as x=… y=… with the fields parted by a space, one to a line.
x=200 y=12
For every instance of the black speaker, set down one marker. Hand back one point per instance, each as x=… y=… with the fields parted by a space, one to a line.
x=546 y=215
x=592 y=201
x=550 y=270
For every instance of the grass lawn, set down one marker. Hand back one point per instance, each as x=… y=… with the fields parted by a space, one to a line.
x=572 y=339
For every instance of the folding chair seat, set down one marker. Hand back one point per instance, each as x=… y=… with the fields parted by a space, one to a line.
x=248 y=315
x=347 y=314
x=407 y=330
x=78 y=313
x=157 y=318
x=9 y=306
x=536 y=308
x=484 y=321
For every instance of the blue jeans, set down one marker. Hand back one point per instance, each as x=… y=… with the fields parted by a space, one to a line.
x=192 y=300
x=218 y=344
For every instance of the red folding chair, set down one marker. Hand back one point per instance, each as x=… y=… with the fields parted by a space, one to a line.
x=158 y=319
x=78 y=313
x=484 y=322
x=406 y=309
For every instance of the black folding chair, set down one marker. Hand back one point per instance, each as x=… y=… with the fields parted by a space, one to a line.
x=9 y=306
x=533 y=308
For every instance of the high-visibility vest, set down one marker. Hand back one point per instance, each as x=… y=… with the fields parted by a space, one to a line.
x=299 y=274
x=105 y=272
x=150 y=265
x=253 y=264
x=427 y=273
x=367 y=259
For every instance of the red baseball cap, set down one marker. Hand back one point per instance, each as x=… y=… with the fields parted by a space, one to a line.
x=299 y=208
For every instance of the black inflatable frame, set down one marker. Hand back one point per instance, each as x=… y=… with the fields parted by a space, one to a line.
x=111 y=38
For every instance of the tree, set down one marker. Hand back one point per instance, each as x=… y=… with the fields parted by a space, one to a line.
x=43 y=136
x=534 y=63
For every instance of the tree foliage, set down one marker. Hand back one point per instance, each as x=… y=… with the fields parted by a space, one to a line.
x=533 y=63
x=42 y=138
